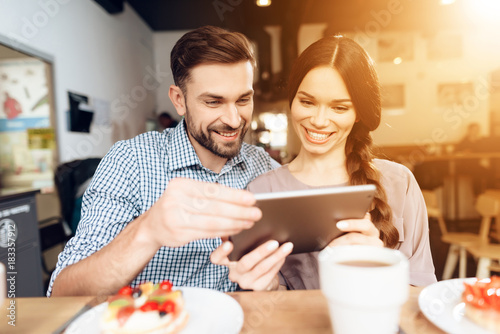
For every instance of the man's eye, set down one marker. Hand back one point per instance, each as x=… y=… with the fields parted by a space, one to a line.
x=212 y=103
x=244 y=101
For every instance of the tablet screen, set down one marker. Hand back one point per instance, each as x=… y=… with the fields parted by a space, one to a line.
x=307 y=218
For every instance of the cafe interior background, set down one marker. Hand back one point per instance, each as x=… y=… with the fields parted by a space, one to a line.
x=78 y=75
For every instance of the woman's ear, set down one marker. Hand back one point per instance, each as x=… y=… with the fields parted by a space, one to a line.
x=177 y=97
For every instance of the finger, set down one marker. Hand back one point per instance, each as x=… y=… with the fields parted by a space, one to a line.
x=363 y=226
x=217 y=208
x=263 y=282
x=250 y=260
x=213 y=226
x=206 y=190
x=268 y=265
x=220 y=254
x=354 y=238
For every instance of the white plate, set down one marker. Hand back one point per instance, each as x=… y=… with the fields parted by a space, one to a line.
x=441 y=303
x=209 y=311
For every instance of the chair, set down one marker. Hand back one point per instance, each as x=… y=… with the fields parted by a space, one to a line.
x=51 y=230
x=495 y=230
x=59 y=213
x=457 y=240
x=488 y=254
x=69 y=178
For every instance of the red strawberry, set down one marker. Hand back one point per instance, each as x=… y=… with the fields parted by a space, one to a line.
x=166 y=285
x=126 y=291
x=167 y=306
x=150 y=305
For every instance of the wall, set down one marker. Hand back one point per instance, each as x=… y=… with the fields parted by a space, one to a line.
x=108 y=57
x=163 y=43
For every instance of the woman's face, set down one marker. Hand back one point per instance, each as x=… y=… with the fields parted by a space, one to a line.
x=322 y=111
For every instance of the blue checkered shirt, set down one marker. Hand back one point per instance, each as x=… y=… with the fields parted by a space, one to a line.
x=131 y=178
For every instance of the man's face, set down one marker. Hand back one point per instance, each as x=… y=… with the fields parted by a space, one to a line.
x=219 y=106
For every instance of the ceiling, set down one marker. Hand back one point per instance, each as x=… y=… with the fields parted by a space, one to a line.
x=242 y=15
x=362 y=16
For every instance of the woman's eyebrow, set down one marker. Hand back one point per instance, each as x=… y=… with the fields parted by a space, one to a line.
x=334 y=100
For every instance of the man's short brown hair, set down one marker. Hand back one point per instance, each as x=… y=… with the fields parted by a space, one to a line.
x=208 y=45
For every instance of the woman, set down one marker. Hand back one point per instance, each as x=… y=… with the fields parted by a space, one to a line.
x=334 y=99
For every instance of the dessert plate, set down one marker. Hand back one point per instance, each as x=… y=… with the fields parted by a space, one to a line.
x=209 y=311
x=442 y=304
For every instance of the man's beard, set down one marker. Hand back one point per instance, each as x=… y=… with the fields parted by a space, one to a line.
x=223 y=150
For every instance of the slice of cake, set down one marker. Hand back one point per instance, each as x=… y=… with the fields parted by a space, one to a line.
x=148 y=308
x=482 y=303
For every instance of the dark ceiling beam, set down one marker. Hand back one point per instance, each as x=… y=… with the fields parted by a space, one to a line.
x=111 y=6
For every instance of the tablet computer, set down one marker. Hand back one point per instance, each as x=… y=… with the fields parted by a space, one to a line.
x=307 y=218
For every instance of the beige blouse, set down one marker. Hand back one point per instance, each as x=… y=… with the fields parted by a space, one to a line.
x=300 y=271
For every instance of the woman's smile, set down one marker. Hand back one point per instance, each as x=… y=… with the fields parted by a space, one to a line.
x=317 y=137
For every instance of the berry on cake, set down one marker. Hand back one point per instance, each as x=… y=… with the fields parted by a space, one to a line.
x=148 y=308
x=482 y=303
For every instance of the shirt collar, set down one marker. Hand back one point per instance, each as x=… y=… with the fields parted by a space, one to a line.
x=181 y=152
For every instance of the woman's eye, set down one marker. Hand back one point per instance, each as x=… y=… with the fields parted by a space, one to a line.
x=341 y=108
x=306 y=102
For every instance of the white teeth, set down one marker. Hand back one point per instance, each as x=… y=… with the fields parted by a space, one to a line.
x=318 y=136
x=232 y=134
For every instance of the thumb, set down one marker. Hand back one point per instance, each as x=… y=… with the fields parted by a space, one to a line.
x=220 y=255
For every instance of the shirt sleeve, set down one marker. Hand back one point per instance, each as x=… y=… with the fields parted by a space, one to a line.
x=417 y=241
x=109 y=204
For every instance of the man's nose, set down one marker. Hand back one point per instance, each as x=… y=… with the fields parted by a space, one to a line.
x=232 y=116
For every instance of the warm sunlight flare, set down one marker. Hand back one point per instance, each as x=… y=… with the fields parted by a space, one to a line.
x=483 y=10
x=263 y=3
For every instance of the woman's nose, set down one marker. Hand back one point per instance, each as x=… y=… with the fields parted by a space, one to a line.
x=319 y=118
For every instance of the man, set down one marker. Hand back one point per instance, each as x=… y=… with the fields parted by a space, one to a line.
x=166 y=121
x=159 y=203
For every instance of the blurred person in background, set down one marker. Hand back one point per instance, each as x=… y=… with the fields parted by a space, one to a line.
x=166 y=121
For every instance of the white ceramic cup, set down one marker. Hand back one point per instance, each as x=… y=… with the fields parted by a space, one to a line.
x=362 y=298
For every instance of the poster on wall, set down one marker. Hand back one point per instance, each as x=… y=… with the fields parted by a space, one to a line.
x=24 y=105
x=396 y=47
x=455 y=93
x=24 y=93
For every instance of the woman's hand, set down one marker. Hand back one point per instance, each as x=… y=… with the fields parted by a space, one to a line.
x=360 y=232
x=257 y=270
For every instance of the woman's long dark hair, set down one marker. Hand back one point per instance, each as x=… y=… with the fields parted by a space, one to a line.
x=356 y=69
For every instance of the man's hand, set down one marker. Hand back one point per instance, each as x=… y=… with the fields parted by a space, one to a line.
x=360 y=232
x=190 y=210
x=257 y=270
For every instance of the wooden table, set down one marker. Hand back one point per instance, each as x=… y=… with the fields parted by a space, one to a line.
x=273 y=312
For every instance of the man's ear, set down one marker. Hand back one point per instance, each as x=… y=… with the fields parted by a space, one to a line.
x=177 y=98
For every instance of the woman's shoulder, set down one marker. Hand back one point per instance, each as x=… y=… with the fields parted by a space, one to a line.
x=388 y=167
x=394 y=174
